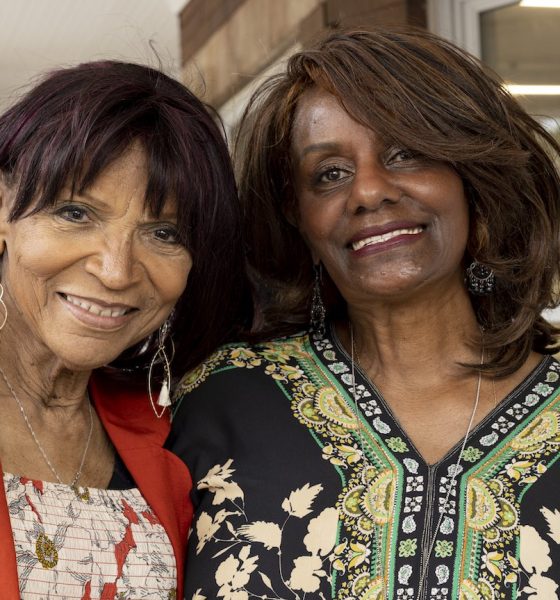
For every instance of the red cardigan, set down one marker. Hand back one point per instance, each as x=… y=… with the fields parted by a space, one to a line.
x=163 y=479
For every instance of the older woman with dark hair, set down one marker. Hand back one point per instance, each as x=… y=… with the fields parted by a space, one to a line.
x=115 y=187
x=407 y=446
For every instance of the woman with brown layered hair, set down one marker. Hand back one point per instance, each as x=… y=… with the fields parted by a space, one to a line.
x=495 y=147
x=404 y=209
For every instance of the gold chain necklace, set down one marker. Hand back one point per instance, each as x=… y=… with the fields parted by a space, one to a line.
x=451 y=484
x=74 y=483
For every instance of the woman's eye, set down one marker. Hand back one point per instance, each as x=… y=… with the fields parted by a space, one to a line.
x=76 y=214
x=169 y=235
x=401 y=155
x=331 y=175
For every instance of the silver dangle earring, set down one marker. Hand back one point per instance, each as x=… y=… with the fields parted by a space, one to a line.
x=4 y=308
x=480 y=279
x=318 y=311
x=160 y=356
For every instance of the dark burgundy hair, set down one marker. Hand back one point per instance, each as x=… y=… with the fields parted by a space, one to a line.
x=76 y=121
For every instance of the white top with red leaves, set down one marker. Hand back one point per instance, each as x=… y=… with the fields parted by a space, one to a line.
x=87 y=544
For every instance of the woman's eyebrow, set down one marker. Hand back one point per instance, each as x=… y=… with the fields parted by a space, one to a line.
x=89 y=196
x=319 y=147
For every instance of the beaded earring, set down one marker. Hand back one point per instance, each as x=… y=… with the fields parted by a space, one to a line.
x=480 y=279
x=318 y=312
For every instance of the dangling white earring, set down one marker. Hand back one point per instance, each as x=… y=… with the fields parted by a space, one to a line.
x=4 y=307
x=160 y=356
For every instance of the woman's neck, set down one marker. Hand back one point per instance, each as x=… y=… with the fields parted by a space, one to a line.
x=48 y=430
x=428 y=336
x=38 y=377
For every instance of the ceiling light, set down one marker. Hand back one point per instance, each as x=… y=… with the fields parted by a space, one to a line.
x=533 y=90
x=541 y=3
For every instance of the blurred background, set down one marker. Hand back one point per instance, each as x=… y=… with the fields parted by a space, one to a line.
x=223 y=48
x=234 y=43
x=38 y=35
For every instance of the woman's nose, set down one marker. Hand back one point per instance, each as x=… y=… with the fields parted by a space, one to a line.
x=114 y=263
x=373 y=186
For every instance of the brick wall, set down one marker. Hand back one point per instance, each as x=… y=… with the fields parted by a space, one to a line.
x=226 y=43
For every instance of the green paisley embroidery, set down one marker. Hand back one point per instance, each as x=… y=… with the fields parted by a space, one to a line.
x=545 y=428
x=379 y=497
x=492 y=506
x=367 y=588
x=481 y=590
x=331 y=405
x=489 y=494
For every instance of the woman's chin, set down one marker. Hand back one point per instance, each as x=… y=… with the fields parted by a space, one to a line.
x=405 y=285
x=396 y=290
x=83 y=358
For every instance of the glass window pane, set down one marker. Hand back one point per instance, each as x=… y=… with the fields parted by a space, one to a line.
x=522 y=44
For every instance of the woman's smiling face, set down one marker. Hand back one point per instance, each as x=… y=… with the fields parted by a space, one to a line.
x=94 y=274
x=383 y=222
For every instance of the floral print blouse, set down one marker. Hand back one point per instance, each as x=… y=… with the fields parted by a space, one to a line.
x=302 y=492
x=90 y=544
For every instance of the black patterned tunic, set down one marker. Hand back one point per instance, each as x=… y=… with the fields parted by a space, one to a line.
x=299 y=497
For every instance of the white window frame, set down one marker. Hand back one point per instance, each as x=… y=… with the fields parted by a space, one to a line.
x=459 y=20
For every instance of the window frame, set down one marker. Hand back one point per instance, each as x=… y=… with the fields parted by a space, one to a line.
x=459 y=20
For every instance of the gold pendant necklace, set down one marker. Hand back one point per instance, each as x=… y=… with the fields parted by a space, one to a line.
x=82 y=493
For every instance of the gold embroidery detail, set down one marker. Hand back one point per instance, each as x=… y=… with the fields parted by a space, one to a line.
x=46 y=551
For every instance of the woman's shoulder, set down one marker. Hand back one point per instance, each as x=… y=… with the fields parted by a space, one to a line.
x=230 y=358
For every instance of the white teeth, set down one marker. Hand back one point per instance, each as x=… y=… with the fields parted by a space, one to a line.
x=378 y=239
x=95 y=308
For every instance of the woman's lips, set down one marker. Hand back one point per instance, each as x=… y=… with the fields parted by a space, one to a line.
x=385 y=237
x=96 y=313
x=105 y=310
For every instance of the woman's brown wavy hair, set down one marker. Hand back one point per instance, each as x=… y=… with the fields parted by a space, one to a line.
x=419 y=92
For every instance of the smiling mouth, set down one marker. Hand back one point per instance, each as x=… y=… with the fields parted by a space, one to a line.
x=385 y=237
x=97 y=309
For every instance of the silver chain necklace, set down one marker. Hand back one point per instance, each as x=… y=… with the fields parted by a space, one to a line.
x=74 y=483
x=455 y=469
